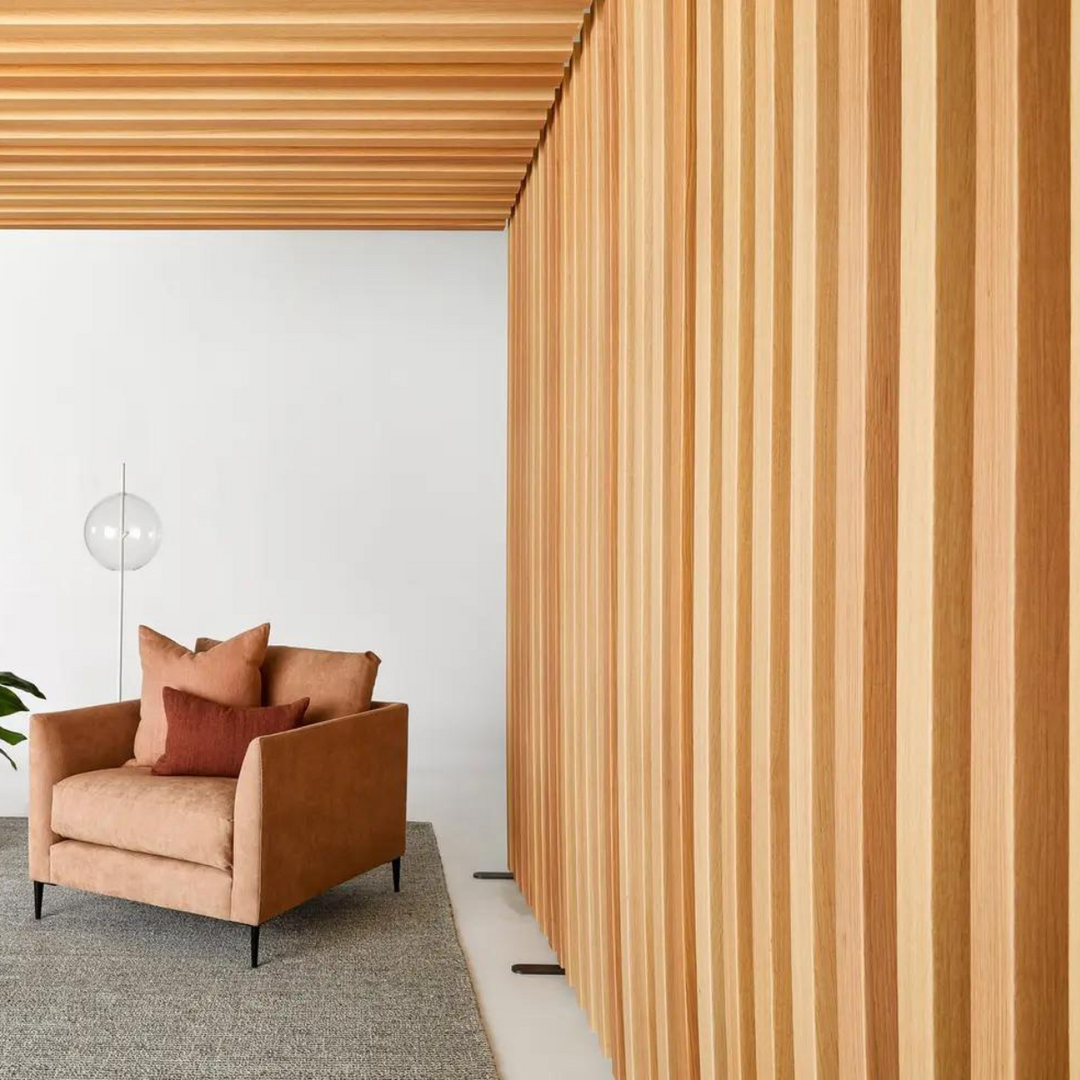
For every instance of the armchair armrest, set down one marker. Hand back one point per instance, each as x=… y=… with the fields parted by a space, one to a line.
x=63 y=744
x=316 y=806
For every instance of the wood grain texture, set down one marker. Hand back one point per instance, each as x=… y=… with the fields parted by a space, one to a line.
x=994 y=601
x=804 y=448
x=1042 y=539
x=1074 y=536
x=851 y=487
x=792 y=494
x=954 y=318
x=708 y=290
x=153 y=93
x=915 y=557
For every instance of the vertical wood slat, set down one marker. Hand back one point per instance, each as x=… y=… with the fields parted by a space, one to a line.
x=789 y=318
x=882 y=528
x=804 y=448
x=850 y=535
x=993 y=675
x=1074 y=527
x=765 y=935
x=934 y=605
x=708 y=271
x=738 y=987
x=825 y=763
x=1042 y=509
x=915 y=558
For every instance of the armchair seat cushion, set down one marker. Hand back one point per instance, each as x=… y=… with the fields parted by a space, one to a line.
x=178 y=817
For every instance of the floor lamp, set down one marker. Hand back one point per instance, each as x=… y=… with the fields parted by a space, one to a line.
x=123 y=532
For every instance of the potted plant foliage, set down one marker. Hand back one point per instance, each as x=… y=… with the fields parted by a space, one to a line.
x=11 y=703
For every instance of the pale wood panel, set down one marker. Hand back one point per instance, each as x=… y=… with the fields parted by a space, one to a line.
x=738 y=984
x=993 y=672
x=708 y=281
x=851 y=536
x=765 y=935
x=915 y=557
x=101 y=88
x=744 y=281
x=780 y=778
x=804 y=451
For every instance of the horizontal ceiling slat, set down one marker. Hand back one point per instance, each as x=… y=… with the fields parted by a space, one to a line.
x=155 y=201
x=263 y=221
x=305 y=100
x=295 y=34
x=161 y=178
x=105 y=11
x=45 y=185
x=271 y=76
x=358 y=121
x=212 y=210
x=315 y=137
x=273 y=113
x=306 y=159
x=418 y=52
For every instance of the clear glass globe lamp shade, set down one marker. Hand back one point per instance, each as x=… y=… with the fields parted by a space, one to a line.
x=142 y=529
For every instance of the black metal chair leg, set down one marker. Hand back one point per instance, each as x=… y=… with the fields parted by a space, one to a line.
x=39 y=892
x=254 y=946
x=397 y=875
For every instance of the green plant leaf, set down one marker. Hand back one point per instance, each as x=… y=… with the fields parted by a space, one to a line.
x=4 y=753
x=12 y=738
x=7 y=679
x=9 y=702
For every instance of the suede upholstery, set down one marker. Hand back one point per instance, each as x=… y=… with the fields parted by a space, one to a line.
x=208 y=739
x=312 y=807
x=317 y=806
x=178 y=817
x=150 y=879
x=63 y=744
x=338 y=683
x=229 y=674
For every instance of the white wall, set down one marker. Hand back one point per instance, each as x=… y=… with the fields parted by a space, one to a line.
x=319 y=418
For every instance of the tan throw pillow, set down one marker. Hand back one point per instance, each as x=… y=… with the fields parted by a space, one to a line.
x=338 y=683
x=228 y=674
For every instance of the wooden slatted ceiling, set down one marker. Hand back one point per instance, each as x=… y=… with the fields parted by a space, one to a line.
x=274 y=113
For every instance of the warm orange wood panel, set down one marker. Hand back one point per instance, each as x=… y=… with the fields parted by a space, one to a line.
x=1042 y=539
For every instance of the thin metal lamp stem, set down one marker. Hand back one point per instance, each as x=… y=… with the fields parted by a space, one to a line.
x=123 y=538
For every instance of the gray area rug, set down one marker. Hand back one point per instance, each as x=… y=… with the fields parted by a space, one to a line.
x=358 y=983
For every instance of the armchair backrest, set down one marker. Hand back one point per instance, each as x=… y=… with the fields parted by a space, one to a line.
x=338 y=683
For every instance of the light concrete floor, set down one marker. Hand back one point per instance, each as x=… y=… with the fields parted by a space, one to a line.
x=536 y=1027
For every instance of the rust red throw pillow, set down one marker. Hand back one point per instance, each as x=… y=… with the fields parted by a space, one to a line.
x=204 y=738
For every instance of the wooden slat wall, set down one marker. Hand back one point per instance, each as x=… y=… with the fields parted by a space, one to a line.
x=792 y=489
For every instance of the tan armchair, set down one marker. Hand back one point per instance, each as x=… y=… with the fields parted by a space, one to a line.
x=312 y=807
